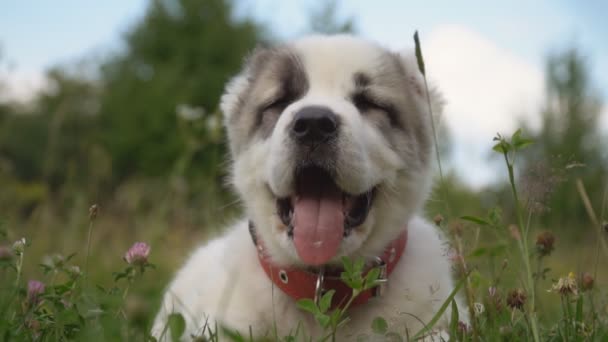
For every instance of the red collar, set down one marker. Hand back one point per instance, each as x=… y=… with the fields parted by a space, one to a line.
x=300 y=283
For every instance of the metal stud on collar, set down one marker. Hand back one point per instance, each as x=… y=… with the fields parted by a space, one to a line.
x=382 y=277
x=283 y=276
x=319 y=286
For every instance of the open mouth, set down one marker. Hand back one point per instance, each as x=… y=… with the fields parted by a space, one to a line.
x=320 y=214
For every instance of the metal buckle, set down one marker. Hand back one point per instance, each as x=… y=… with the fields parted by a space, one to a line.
x=319 y=286
x=380 y=290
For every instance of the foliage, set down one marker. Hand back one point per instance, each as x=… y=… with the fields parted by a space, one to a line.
x=180 y=54
x=568 y=143
x=324 y=19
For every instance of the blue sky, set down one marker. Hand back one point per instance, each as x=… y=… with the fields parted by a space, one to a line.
x=487 y=57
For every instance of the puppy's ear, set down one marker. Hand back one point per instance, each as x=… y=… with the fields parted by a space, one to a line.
x=415 y=79
x=237 y=88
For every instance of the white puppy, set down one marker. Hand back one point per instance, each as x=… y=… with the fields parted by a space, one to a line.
x=331 y=147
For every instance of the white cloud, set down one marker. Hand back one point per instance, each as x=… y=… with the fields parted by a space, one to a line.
x=22 y=85
x=604 y=119
x=487 y=89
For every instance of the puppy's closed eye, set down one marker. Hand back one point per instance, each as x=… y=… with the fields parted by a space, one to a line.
x=365 y=103
x=277 y=103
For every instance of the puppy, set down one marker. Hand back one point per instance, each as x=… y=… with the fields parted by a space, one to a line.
x=331 y=149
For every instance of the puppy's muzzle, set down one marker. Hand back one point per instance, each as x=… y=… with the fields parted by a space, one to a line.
x=314 y=125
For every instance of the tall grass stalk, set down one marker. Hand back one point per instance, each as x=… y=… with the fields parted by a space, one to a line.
x=523 y=228
x=591 y=213
x=93 y=210
x=459 y=249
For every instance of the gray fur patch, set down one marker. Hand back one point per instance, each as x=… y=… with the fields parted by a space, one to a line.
x=278 y=69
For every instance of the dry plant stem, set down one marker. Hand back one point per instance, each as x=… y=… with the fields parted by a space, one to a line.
x=86 y=261
x=523 y=246
x=468 y=287
x=583 y=193
x=19 y=268
x=437 y=156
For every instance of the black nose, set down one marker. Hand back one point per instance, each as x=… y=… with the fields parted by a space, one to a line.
x=314 y=124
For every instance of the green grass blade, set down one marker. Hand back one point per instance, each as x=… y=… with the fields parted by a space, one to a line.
x=439 y=313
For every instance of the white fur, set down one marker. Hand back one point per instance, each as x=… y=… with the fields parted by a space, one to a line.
x=223 y=280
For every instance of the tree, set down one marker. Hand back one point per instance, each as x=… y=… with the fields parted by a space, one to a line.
x=568 y=144
x=180 y=54
x=324 y=19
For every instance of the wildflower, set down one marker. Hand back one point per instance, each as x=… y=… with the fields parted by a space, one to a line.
x=55 y=261
x=516 y=299
x=438 y=219
x=138 y=254
x=566 y=285
x=19 y=246
x=93 y=211
x=6 y=253
x=479 y=308
x=34 y=289
x=505 y=330
x=544 y=243
x=74 y=271
x=494 y=299
x=514 y=230
x=587 y=281
x=456 y=228
x=455 y=257
x=189 y=113
x=463 y=328
x=34 y=327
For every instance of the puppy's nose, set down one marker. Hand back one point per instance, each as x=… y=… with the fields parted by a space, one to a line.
x=315 y=124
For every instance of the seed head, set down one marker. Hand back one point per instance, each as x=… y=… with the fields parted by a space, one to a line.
x=544 y=243
x=566 y=285
x=19 y=246
x=587 y=281
x=494 y=299
x=438 y=219
x=74 y=271
x=516 y=299
x=463 y=328
x=138 y=254
x=6 y=253
x=93 y=211
x=456 y=228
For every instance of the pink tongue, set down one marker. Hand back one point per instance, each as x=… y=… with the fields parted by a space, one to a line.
x=318 y=224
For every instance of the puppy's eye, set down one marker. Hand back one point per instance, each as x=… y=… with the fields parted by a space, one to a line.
x=279 y=103
x=365 y=103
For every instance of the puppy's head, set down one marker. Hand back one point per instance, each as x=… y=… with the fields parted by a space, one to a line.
x=330 y=140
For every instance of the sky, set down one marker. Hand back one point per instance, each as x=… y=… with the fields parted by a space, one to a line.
x=486 y=57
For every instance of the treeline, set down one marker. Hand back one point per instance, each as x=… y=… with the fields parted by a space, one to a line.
x=140 y=130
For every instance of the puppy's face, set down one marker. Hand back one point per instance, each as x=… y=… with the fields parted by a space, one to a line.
x=331 y=144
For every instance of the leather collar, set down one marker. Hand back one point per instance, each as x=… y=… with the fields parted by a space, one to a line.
x=299 y=283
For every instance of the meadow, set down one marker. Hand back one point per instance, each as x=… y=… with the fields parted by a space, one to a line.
x=108 y=182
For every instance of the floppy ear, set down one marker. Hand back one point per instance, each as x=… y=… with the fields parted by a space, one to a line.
x=236 y=89
x=416 y=80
